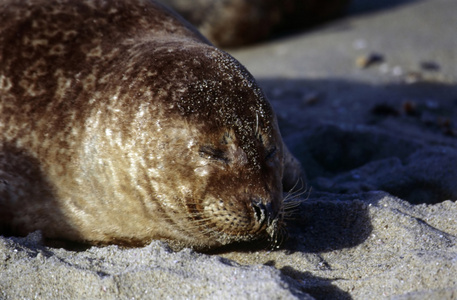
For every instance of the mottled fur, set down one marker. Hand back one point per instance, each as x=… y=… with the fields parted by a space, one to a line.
x=119 y=123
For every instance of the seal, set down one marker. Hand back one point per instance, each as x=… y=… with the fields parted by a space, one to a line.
x=232 y=23
x=120 y=123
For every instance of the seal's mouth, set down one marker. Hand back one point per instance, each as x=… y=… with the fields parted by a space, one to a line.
x=268 y=220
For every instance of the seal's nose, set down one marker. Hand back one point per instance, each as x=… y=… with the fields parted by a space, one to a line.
x=263 y=212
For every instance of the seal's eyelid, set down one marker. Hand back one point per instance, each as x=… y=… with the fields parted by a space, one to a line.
x=211 y=153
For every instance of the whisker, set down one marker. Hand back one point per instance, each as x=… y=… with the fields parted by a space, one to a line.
x=256 y=124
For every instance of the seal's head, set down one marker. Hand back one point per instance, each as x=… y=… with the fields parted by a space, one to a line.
x=208 y=144
x=235 y=155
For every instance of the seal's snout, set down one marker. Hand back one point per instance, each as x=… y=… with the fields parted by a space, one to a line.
x=263 y=212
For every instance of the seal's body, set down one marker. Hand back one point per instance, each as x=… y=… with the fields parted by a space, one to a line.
x=119 y=123
x=232 y=23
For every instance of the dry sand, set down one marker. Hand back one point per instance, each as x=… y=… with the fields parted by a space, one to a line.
x=379 y=145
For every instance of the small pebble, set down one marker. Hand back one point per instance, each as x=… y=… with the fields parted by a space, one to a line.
x=365 y=61
x=311 y=98
x=413 y=77
x=429 y=66
x=410 y=108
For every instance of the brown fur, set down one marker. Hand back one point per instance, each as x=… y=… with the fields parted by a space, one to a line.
x=119 y=123
x=232 y=23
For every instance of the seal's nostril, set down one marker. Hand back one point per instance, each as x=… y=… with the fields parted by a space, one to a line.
x=259 y=211
x=262 y=212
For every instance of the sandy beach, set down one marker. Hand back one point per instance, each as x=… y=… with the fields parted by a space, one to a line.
x=368 y=104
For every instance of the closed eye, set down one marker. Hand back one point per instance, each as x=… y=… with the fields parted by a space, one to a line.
x=211 y=153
